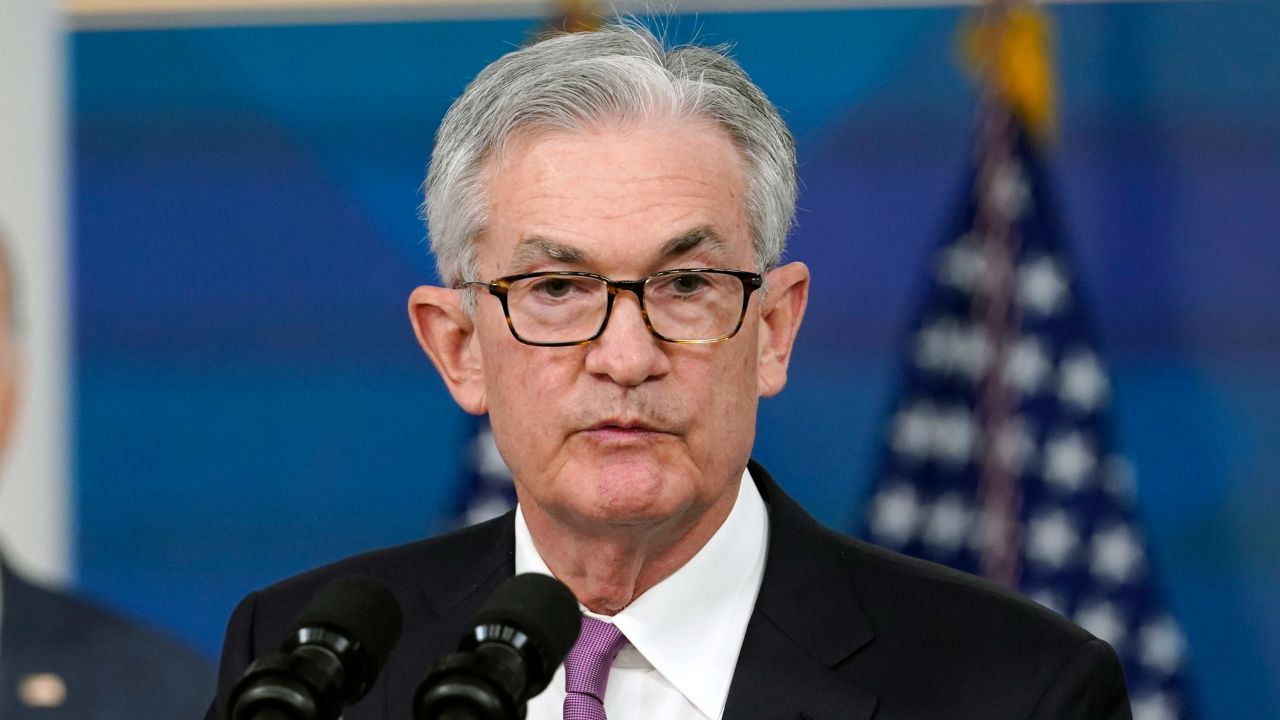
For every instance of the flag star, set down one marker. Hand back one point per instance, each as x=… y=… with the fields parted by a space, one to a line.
x=1069 y=459
x=1103 y=620
x=485 y=456
x=963 y=266
x=895 y=515
x=1118 y=479
x=934 y=344
x=944 y=346
x=1050 y=599
x=948 y=523
x=1155 y=706
x=954 y=435
x=1009 y=193
x=1014 y=446
x=1161 y=645
x=1117 y=554
x=487 y=508
x=1042 y=287
x=1082 y=382
x=1051 y=539
x=973 y=352
x=913 y=431
x=1027 y=365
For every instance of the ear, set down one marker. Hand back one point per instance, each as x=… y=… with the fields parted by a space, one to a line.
x=448 y=335
x=787 y=294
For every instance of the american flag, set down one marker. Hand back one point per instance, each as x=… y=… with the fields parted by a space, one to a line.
x=999 y=456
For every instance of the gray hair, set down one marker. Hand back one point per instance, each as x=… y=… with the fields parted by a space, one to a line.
x=574 y=81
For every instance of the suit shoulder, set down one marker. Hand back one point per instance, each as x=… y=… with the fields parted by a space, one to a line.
x=396 y=565
x=976 y=645
x=926 y=640
x=911 y=604
x=59 y=616
x=898 y=588
x=54 y=628
x=407 y=570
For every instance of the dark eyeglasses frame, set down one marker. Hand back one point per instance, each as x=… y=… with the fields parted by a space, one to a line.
x=498 y=287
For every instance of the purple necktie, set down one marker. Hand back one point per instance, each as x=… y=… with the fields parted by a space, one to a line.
x=586 y=670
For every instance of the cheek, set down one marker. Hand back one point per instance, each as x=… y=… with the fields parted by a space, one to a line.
x=725 y=389
x=521 y=411
x=528 y=388
x=740 y=366
x=741 y=396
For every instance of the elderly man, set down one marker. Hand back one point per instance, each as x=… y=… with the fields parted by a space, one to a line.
x=608 y=218
x=61 y=656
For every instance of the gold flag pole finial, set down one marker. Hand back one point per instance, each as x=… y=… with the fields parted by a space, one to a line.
x=576 y=16
x=1007 y=47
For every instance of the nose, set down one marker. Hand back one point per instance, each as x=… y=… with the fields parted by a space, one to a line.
x=626 y=352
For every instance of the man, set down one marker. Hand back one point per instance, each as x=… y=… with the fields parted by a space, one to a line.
x=608 y=218
x=62 y=657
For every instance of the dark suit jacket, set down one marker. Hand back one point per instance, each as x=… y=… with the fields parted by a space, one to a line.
x=111 y=668
x=841 y=629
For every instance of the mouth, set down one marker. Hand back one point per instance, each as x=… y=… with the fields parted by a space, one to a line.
x=622 y=429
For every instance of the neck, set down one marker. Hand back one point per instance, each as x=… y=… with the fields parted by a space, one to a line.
x=608 y=567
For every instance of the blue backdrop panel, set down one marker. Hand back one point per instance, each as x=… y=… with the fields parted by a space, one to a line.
x=250 y=400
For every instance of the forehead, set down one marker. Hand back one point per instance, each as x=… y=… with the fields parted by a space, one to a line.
x=617 y=194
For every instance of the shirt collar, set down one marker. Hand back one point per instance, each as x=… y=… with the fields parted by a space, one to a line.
x=710 y=599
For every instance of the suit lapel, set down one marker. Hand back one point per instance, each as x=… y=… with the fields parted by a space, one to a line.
x=806 y=622
x=777 y=679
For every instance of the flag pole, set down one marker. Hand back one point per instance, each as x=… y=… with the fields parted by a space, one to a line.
x=999 y=496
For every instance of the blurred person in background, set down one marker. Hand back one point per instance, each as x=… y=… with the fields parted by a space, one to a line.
x=61 y=656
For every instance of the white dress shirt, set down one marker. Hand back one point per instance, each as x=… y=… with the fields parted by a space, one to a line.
x=683 y=634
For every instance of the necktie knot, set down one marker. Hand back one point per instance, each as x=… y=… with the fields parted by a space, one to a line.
x=586 y=669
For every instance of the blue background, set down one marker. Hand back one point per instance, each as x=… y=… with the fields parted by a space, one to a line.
x=250 y=400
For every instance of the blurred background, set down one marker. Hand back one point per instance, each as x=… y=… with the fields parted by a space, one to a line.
x=214 y=211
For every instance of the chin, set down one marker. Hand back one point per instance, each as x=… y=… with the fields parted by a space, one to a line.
x=637 y=492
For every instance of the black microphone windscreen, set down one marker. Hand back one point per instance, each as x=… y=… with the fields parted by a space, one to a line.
x=361 y=609
x=542 y=608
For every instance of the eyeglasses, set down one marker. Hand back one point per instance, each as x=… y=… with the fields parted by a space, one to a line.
x=696 y=305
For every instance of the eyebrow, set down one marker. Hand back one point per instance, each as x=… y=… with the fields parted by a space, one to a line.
x=537 y=249
x=703 y=237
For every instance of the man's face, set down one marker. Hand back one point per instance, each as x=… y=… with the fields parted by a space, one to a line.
x=628 y=429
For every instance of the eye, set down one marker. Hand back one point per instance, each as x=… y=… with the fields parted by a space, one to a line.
x=686 y=284
x=559 y=288
x=553 y=287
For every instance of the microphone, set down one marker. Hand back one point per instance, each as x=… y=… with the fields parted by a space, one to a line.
x=339 y=644
x=517 y=640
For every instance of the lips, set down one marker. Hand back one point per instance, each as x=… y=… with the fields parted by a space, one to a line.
x=623 y=425
x=623 y=429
